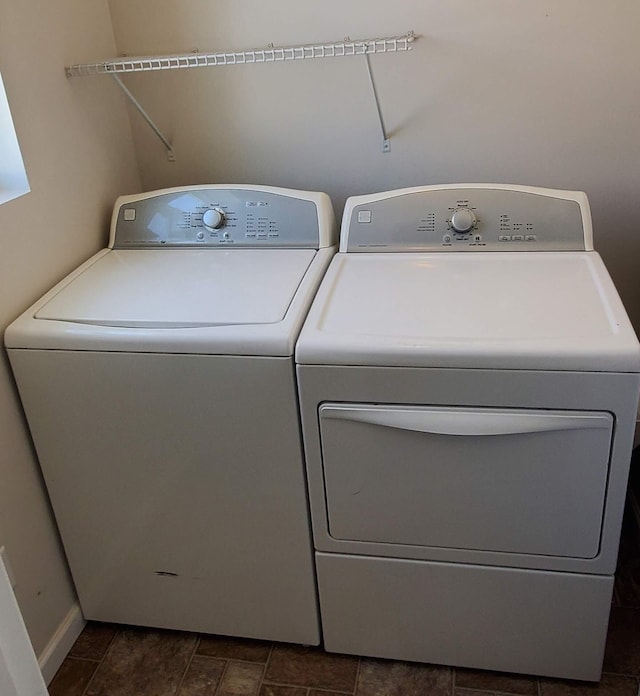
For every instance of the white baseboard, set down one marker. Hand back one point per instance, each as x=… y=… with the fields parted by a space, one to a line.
x=61 y=642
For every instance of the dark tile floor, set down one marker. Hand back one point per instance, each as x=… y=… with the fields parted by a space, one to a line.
x=109 y=660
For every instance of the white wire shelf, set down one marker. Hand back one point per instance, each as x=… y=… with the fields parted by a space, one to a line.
x=272 y=54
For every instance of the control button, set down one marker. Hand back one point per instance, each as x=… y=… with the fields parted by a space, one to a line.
x=463 y=220
x=531 y=238
x=226 y=235
x=129 y=214
x=200 y=235
x=213 y=219
x=504 y=238
x=364 y=216
x=447 y=239
x=517 y=237
x=477 y=237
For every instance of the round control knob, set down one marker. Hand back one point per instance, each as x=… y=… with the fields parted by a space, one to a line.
x=463 y=220
x=213 y=219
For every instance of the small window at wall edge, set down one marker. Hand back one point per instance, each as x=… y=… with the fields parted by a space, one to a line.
x=13 y=177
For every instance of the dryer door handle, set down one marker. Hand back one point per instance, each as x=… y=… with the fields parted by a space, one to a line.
x=465 y=422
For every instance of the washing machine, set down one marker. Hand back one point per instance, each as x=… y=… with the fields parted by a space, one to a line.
x=158 y=382
x=468 y=383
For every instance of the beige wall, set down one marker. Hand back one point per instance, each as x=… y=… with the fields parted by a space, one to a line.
x=535 y=92
x=76 y=142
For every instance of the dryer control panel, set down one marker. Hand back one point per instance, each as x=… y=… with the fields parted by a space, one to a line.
x=220 y=216
x=469 y=217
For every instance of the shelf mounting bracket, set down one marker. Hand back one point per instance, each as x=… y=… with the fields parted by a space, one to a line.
x=386 y=143
x=171 y=156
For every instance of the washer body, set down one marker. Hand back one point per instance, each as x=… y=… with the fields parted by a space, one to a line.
x=468 y=403
x=158 y=382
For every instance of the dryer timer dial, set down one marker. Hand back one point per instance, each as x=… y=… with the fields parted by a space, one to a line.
x=463 y=220
x=213 y=219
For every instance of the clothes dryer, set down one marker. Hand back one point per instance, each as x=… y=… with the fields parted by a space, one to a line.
x=468 y=382
x=159 y=385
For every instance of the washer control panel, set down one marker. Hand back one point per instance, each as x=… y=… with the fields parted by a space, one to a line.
x=475 y=217
x=215 y=216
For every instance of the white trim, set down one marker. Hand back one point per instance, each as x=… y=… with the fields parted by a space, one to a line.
x=61 y=643
x=19 y=673
x=13 y=177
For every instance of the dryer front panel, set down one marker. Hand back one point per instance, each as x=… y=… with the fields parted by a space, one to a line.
x=492 y=467
x=507 y=480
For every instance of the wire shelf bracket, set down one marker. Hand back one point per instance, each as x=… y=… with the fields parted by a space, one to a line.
x=272 y=54
x=171 y=155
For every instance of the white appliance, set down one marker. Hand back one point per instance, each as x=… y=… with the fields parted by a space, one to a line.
x=468 y=382
x=159 y=385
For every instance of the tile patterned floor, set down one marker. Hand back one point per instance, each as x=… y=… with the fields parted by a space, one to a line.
x=112 y=660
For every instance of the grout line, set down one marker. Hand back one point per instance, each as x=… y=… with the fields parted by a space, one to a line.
x=222 y=676
x=232 y=659
x=324 y=690
x=355 y=686
x=496 y=692
x=261 y=680
x=228 y=662
x=102 y=659
x=93 y=676
x=264 y=668
x=266 y=664
x=186 y=669
x=81 y=659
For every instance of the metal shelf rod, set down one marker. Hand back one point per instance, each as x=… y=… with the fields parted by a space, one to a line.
x=348 y=47
x=386 y=145
x=171 y=156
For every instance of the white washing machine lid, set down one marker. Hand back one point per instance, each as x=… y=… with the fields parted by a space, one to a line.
x=182 y=288
x=545 y=310
x=213 y=301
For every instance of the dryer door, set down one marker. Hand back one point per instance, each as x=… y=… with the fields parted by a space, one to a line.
x=509 y=480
